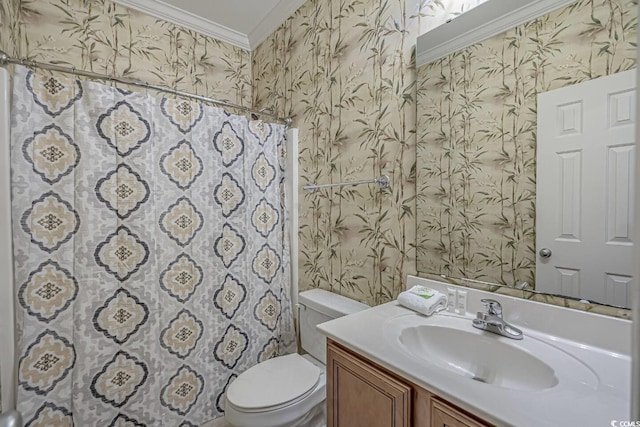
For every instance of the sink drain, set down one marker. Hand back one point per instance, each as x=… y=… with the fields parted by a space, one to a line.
x=480 y=380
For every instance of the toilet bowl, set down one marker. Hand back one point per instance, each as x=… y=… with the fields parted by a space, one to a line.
x=290 y=390
x=278 y=392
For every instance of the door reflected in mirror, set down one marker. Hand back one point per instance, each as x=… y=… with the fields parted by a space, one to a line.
x=584 y=189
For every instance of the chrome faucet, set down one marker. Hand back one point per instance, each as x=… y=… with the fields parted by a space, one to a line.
x=491 y=320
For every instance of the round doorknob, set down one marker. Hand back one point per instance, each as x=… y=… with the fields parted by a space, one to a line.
x=545 y=253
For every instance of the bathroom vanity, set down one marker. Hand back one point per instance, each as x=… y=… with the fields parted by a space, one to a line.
x=361 y=393
x=388 y=366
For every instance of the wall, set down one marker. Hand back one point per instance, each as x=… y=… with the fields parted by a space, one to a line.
x=477 y=135
x=104 y=37
x=344 y=70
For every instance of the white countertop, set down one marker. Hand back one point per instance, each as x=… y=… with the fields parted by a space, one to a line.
x=571 y=402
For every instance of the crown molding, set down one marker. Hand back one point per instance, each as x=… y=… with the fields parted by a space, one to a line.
x=189 y=20
x=480 y=23
x=276 y=16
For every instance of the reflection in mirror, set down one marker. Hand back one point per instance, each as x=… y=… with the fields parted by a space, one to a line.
x=479 y=124
x=584 y=186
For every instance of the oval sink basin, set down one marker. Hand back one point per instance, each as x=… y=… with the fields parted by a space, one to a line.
x=478 y=357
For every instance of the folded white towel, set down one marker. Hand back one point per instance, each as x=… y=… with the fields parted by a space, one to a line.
x=423 y=300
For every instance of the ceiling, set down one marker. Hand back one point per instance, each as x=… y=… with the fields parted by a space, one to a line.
x=244 y=23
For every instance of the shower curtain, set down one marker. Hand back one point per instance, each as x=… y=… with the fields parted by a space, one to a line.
x=151 y=255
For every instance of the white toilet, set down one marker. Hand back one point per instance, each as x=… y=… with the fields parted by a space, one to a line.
x=289 y=390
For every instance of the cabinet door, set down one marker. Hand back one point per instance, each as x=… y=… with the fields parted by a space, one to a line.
x=444 y=415
x=361 y=395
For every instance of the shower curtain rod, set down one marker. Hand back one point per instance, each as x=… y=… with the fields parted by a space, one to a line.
x=6 y=59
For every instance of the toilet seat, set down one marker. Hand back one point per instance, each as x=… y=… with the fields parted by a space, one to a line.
x=274 y=384
x=286 y=416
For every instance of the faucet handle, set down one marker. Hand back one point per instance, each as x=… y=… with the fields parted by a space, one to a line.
x=492 y=307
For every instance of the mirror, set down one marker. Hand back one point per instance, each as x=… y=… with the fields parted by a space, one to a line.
x=481 y=137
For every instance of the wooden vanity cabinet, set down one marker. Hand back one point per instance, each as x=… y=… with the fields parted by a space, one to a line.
x=362 y=394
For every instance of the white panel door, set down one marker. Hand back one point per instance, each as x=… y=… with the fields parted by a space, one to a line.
x=584 y=204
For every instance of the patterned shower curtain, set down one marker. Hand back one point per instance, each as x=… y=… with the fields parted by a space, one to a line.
x=151 y=253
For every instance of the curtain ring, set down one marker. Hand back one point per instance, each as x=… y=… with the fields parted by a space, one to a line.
x=73 y=70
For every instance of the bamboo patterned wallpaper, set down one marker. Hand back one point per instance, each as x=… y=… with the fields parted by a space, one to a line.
x=477 y=135
x=344 y=70
x=354 y=94
x=101 y=36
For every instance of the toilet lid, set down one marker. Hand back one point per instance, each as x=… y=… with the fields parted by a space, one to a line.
x=273 y=383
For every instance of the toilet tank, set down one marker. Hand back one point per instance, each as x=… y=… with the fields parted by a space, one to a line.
x=319 y=306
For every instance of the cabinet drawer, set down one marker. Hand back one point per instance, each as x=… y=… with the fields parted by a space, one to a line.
x=445 y=415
